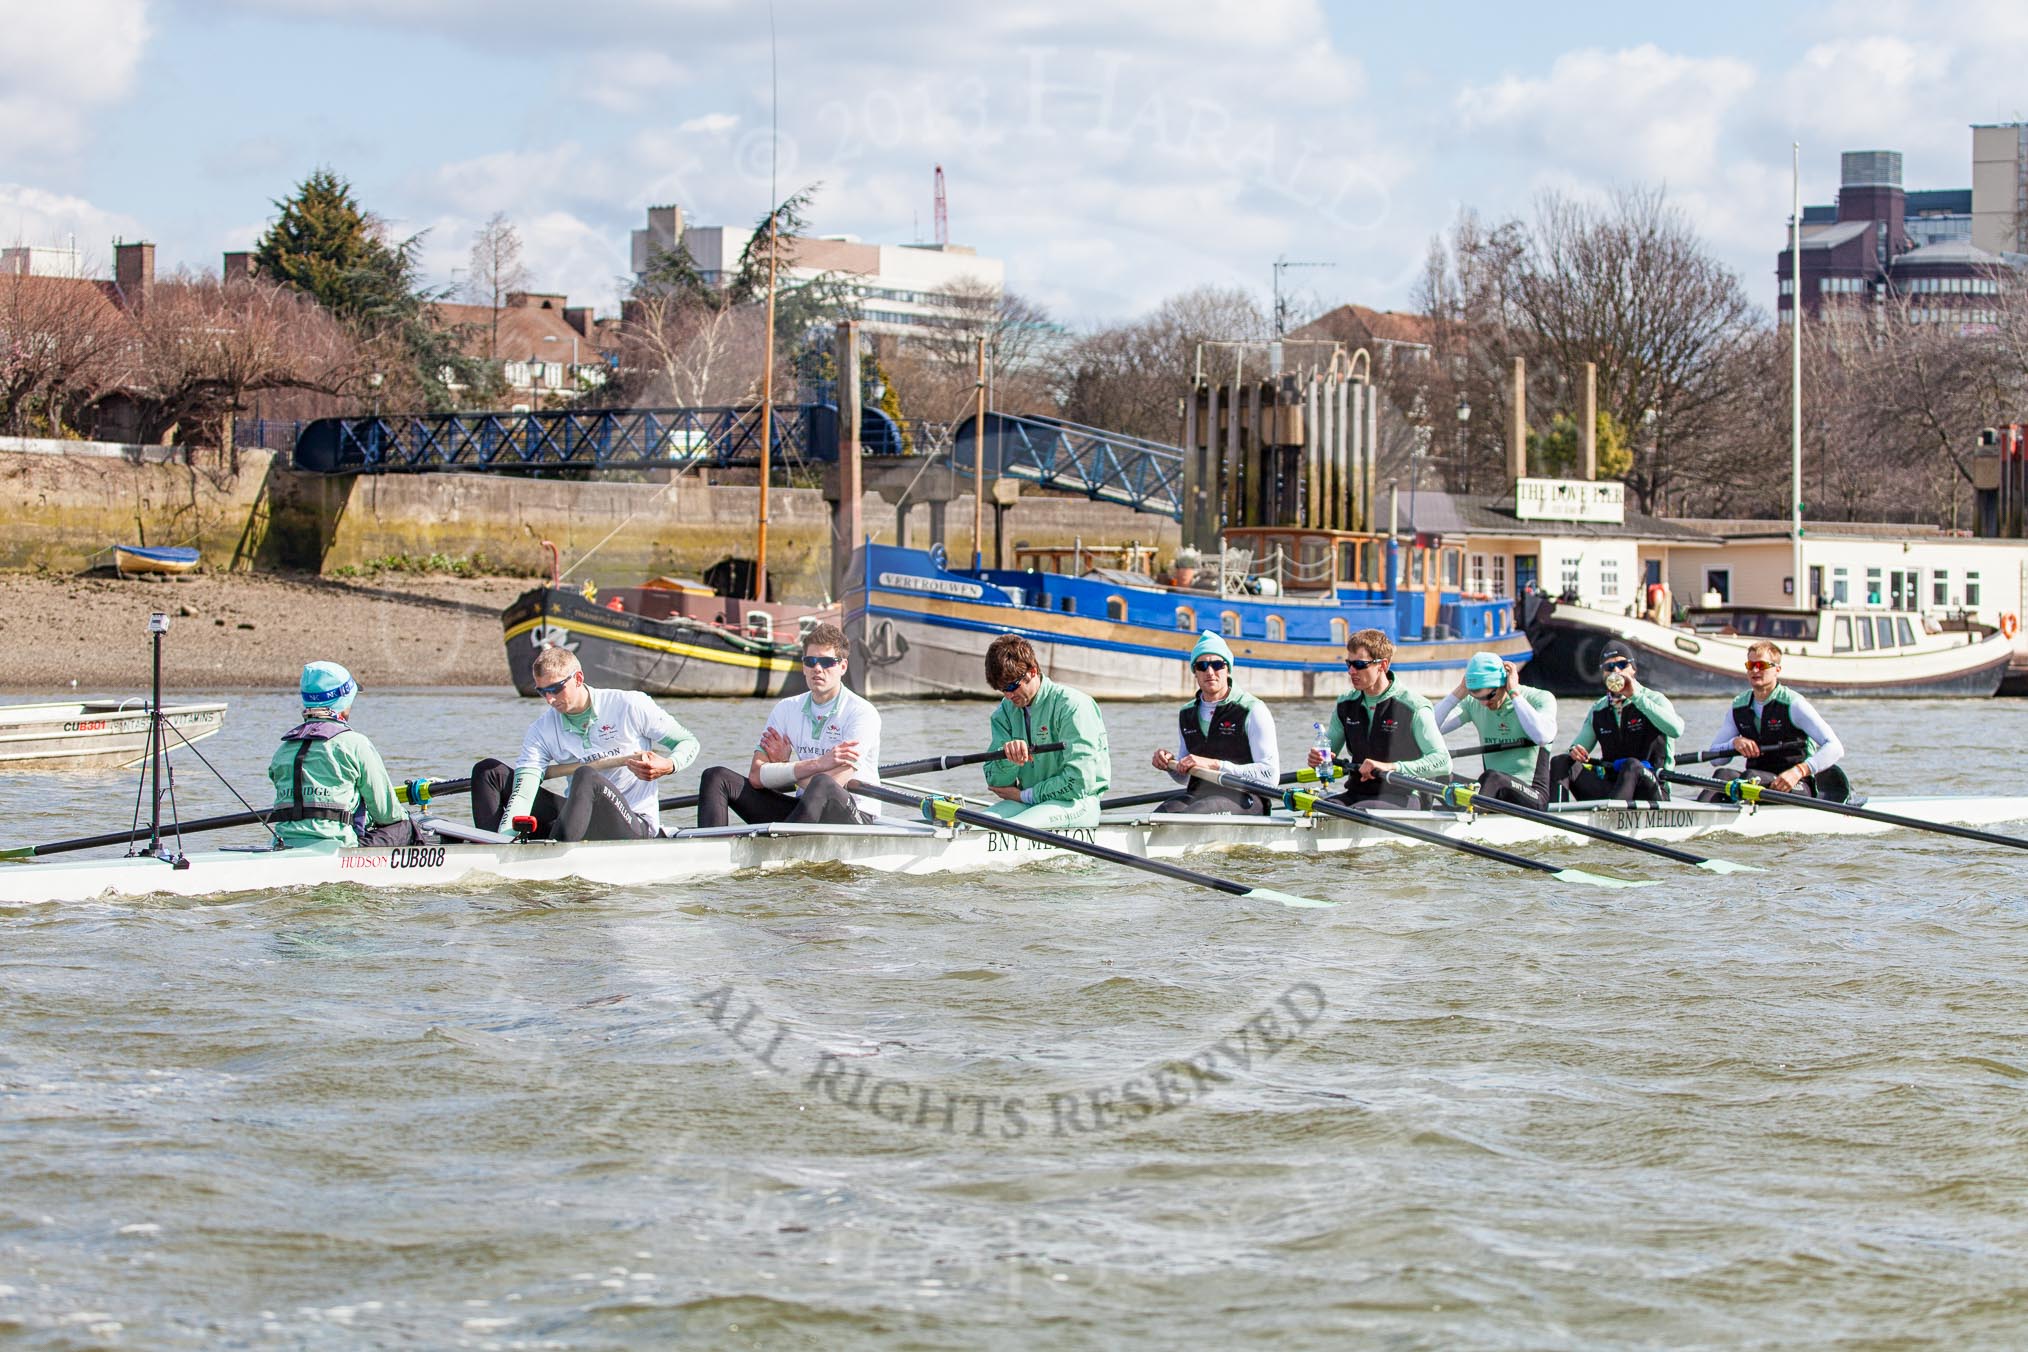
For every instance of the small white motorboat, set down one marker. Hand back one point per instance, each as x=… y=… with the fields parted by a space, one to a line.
x=96 y=733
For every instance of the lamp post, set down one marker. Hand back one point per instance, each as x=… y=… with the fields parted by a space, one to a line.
x=1464 y=431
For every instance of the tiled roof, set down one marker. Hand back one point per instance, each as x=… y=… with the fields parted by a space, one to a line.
x=1357 y=323
x=1493 y=514
x=529 y=333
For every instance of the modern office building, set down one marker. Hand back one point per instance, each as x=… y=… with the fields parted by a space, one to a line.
x=900 y=288
x=1880 y=243
x=2000 y=187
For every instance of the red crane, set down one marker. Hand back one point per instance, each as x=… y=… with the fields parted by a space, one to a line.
x=943 y=211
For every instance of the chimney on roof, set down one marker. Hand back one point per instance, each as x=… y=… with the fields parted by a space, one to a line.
x=239 y=267
x=580 y=318
x=134 y=273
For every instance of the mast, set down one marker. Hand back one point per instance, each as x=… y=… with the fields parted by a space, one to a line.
x=1796 y=372
x=760 y=569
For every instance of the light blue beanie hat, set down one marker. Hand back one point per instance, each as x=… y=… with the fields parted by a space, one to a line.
x=1485 y=671
x=328 y=686
x=1210 y=645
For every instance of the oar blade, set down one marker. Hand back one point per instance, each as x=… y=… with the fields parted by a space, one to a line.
x=18 y=852
x=1727 y=866
x=1287 y=899
x=1578 y=875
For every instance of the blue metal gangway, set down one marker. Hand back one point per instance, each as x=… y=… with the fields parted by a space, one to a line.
x=1106 y=466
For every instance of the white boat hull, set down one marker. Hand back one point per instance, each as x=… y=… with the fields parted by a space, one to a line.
x=95 y=733
x=906 y=847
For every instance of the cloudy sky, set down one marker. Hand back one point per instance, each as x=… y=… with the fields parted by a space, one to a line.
x=1111 y=151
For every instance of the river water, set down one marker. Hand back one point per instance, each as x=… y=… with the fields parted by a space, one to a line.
x=1070 y=1106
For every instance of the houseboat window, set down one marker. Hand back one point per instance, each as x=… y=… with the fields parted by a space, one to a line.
x=1276 y=630
x=1884 y=627
x=1479 y=574
x=1116 y=607
x=1609 y=579
x=1454 y=569
x=1906 y=630
x=1228 y=623
x=1348 y=562
x=1316 y=559
x=1340 y=632
x=1840 y=588
x=1940 y=587
x=1865 y=627
x=1186 y=618
x=1872 y=586
x=1371 y=571
x=1972 y=591
x=1418 y=562
x=1841 y=634
x=1499 y=575
x=1067 y=604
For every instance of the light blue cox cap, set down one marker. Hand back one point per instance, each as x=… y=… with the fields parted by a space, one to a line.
x=326 y=685
x=1485 y=671
x=1210 y=644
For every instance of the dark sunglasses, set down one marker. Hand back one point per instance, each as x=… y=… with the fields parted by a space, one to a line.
x=1013 y=686
x=1361 y=663
x=1618 y=664
x=1762 y=666
x=825 y=662
x=1208 y=664
x=553 y=689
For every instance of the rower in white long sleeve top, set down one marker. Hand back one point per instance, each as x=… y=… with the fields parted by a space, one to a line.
x=1223 y=731
x=1785 y=741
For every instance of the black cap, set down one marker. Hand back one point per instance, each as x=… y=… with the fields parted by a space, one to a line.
x=1615 y=650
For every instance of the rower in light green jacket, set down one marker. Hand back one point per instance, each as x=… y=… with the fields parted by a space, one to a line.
x=331 y=787
x=1053 y=789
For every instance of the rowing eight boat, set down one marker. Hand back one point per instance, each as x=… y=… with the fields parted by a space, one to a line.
x=901 y=846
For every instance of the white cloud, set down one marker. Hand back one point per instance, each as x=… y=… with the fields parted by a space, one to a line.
x=59 y=62
x=1639 y=113
x=35 y=216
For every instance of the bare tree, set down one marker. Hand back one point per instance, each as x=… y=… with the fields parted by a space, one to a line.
x=63 y=345
x=202 y=347
x=496 y=270
x=1132 y=377
x=679 y=348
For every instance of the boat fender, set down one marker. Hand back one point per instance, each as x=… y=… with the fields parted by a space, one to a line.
x=2010 y=624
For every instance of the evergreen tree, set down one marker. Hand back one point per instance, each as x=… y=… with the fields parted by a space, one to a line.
x=325 y=246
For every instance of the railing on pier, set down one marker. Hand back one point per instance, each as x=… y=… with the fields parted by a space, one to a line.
x=589 y=440
x=1107 y=466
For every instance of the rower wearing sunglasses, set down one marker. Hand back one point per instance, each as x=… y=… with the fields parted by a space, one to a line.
x=1518 y=719
x=1381 y=725
x=1052 y=790
x=1224 y=730
x=616 y=801
x=814 y=744
x=1627 y=741
x=1765 y=725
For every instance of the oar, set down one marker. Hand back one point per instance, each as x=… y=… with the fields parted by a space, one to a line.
x=427 y=788
x=1300 y=800
x=1467 y=798
x=1747 y=791
x=1306 y=775
x=900 y=768
x=946 y=810
x=1687 y=758
x=936 y=763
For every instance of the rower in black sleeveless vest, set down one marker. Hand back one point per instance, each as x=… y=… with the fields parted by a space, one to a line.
x=1223 y=731
x=1786 y=743
x=1381 y=725
x=1626 y=741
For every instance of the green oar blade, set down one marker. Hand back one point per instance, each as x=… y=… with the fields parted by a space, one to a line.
x=1578 y=875
x=1287 y=898
x=1727 y=866
x=18 y=852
